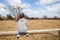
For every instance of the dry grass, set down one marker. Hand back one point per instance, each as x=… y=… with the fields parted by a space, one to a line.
x=32 y=24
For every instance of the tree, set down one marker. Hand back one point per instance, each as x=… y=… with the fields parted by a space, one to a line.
x=26 y=17
x=15 y=10
x=4 y=18
x=9 y=17
x=45 y=17
x=1 y=17
x=55 y=17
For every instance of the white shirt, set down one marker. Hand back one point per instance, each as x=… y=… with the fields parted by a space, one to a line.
x=22 y=25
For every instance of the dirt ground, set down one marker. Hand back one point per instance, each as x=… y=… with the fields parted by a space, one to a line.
x=9 y=25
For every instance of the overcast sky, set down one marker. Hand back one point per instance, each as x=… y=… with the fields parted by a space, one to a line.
x=34 y=8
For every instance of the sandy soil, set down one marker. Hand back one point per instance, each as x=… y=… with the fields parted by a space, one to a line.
x=32 y=24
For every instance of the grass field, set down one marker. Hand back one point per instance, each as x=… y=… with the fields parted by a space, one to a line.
x=8 y=25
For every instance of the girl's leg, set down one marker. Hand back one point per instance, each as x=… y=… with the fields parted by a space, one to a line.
x=26 y=34
x=18 y=35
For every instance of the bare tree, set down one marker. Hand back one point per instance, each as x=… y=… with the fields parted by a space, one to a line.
x=15 y=10
x=55 y=17
x=45 y=17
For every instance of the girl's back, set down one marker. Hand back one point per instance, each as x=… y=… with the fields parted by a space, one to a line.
x=22 y=25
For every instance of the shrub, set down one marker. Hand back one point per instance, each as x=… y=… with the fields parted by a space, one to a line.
x=9 y=17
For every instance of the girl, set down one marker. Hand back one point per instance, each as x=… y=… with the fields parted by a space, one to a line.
x=22 y=25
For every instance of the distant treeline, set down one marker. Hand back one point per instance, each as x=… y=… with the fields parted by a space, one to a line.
x=44 y=18
x=10 y=17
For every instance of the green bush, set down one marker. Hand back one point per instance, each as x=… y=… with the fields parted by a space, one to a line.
x=1 y=18
x=9 y=17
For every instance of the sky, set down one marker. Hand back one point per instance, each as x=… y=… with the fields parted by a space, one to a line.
x=34 y=8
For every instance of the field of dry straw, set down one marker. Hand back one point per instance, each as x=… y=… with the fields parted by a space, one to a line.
x=9 y=25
